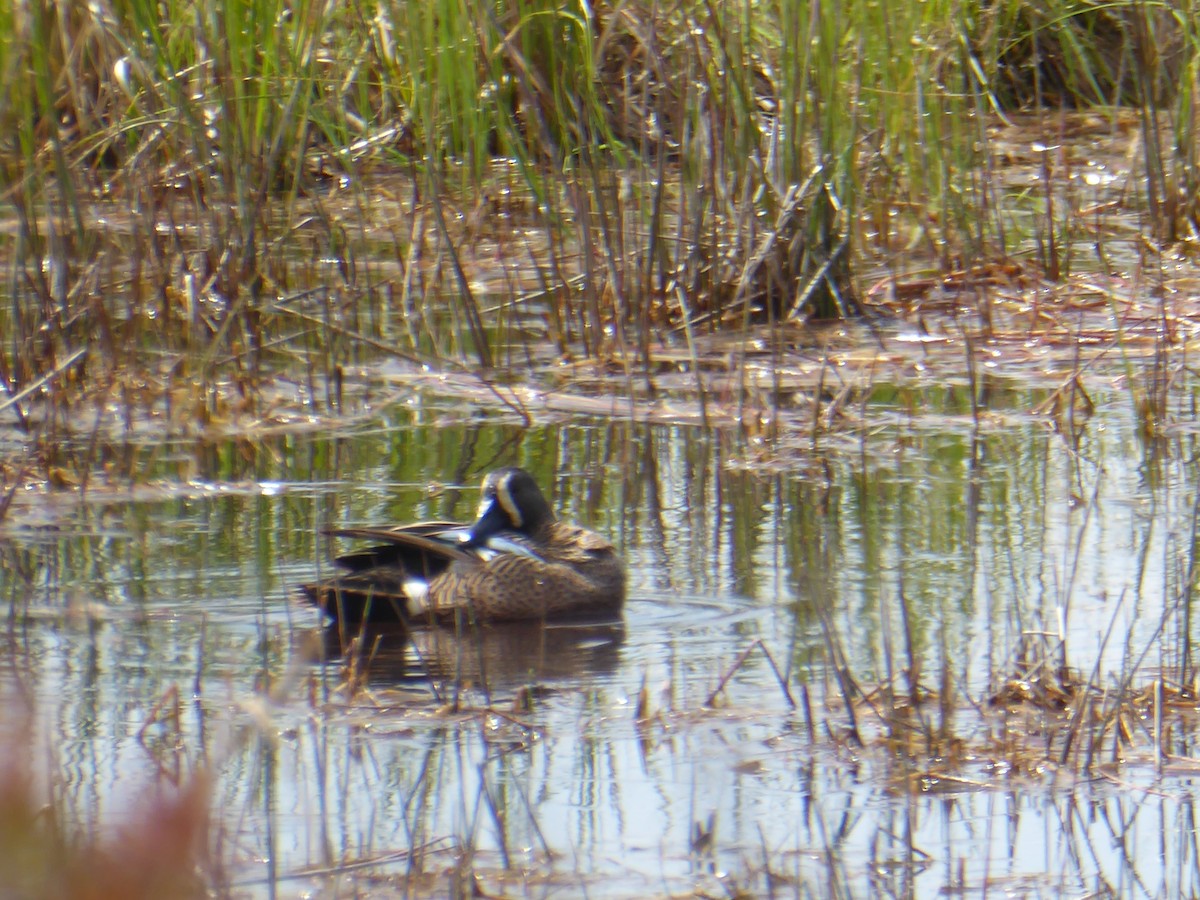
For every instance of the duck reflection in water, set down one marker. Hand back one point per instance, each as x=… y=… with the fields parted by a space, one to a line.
x=502 y=656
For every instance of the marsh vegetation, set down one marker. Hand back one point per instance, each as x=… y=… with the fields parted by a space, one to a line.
x=862 y=329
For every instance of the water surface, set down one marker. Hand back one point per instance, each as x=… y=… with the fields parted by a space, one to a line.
x=520 y=757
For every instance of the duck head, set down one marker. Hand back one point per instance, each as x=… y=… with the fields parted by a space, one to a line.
x=511 y=501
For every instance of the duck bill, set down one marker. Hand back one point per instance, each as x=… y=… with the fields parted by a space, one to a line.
x=492 y=520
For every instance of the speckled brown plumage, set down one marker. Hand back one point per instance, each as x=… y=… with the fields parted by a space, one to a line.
x=517 y=561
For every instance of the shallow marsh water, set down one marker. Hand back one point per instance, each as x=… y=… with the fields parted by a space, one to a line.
x=152 y=636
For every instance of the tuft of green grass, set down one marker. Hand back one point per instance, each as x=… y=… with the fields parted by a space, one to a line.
x=200 y=196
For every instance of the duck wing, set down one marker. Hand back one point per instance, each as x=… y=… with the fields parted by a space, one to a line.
x=379 y=582
x=422 y=548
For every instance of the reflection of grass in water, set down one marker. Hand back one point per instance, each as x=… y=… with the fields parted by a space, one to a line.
x=913 y=735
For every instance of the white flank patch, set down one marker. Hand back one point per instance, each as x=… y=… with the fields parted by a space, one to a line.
x=417 y=592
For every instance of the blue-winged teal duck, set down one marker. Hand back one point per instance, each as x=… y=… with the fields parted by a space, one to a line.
x=517 y=561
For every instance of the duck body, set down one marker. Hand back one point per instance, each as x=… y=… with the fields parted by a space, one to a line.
x=516 y=561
